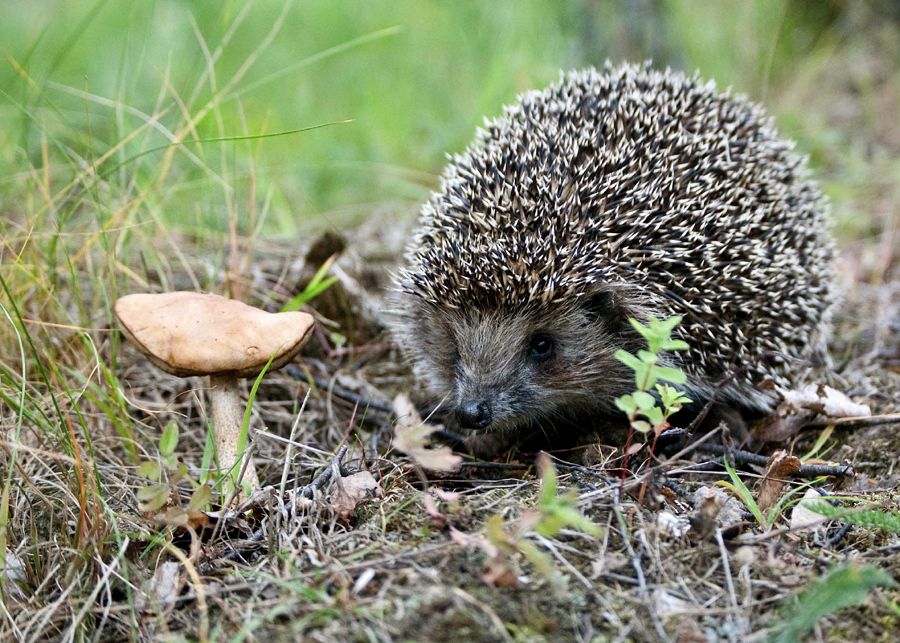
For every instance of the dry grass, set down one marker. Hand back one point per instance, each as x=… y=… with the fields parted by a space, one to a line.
x=80 y=411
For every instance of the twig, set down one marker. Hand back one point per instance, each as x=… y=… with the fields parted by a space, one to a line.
x=729 y=581
x=497 y=465
x=491 y=614
x=857 y=422
x=643 y=592
x=306 y=492
x=745 y=457
x=346 y=394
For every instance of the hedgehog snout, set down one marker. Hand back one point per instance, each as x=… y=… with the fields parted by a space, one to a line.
x=474 y=414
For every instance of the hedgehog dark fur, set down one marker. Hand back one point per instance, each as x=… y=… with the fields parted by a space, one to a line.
x=615 y=194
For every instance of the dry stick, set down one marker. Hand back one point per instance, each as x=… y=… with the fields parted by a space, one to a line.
x=745 y=457
x=639 y=572
x=198 y=589
x=729 y=581
x=69 y=634
x=248 y=453
x=859 y=422
x=307 y=492
x=491 y=614
x=287 y=459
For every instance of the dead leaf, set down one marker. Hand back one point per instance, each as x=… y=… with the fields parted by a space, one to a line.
x=500 y=573
x=178 y=517
x=431 y=506
x=779 y=468
x=825 y=401
x=478 y=541
x=347 y=493
x=411 y=436
x=801 y=406
x=804 y=519
x=167 y=584
x=671 y=524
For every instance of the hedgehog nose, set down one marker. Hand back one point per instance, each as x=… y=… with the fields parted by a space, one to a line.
x=474 y=414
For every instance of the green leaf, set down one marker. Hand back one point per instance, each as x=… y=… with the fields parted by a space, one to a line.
x=655 y=415
x=316 y=286
x=169 y=461
x=548 y=479
x=200 y=498
x=628 y=359
x=667 y=374
x=658 y=333
x=245 y=425
x=843 y=587
x=626 y=404
x=675 y=345
x=152 y=498
x=644 y=400
x=169 y=440
x=149 y=470
x=641 y=427
x=871 y=518
x=739 y=489
x=645 y=331
x=671 y=397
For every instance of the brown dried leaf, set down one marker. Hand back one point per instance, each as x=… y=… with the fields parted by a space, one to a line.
x=431 y=506
x=350 y=491
x=825 y=401
x=167 y=584
x=175 y=516
x=779 y=468
x=500 y=573
x=411 y=436
x=801 y=406
x=152 y=497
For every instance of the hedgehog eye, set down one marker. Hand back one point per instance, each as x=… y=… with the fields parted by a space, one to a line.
x=540 y=347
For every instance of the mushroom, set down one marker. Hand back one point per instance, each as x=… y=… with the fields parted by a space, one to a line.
x=191 y=334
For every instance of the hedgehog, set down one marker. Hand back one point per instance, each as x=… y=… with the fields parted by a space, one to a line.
x=611 y=195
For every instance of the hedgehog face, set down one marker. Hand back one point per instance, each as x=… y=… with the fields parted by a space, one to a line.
x=543 y=366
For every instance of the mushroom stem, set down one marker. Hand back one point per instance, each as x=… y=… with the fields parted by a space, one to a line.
x=227 y=414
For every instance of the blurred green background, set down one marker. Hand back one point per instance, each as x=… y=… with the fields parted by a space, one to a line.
x=414 y=77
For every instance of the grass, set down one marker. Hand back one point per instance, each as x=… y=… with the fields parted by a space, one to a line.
x=173 y=145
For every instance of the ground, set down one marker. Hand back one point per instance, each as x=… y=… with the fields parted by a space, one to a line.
x=394 y=567
x=110 y=531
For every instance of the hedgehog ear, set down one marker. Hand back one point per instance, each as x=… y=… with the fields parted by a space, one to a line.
x=601 y=305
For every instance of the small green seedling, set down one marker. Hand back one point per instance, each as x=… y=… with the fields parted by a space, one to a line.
x=316 y=286
x=843 y=587
x=766 y=520
x=554 y=513
x=647 y=375
x=165 y=474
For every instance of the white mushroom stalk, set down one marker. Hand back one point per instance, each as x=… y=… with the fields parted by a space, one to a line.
x=193 y=334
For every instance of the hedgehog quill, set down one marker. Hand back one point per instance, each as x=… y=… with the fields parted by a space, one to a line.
x=615 y=194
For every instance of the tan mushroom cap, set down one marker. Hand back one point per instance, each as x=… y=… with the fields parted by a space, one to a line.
x=189 y=333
